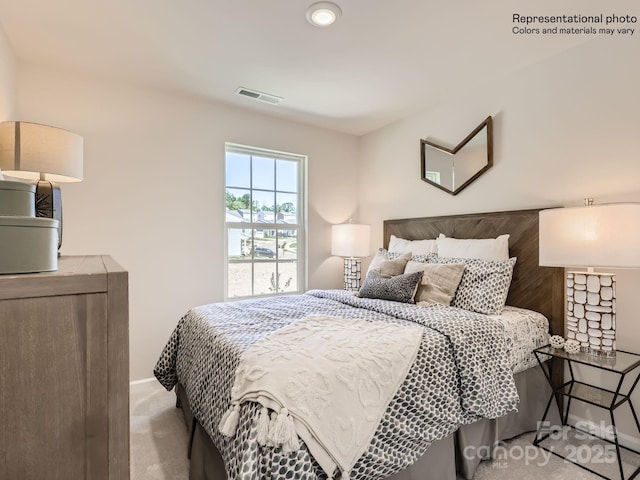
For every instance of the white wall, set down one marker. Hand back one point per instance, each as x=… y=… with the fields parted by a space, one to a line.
x=564 y=129
x=7 y=79
x=153 y=190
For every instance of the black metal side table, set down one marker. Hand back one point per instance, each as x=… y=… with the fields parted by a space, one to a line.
x=622 y=364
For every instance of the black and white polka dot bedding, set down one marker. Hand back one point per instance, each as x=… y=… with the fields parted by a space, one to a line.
x=462 y=372
x=525 y=330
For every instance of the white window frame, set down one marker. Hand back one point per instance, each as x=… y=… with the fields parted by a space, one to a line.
x=300 y=227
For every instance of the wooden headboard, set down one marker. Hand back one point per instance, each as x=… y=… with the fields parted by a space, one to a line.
x=533 y=287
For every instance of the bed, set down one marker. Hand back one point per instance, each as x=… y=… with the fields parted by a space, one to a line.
x=457 y=441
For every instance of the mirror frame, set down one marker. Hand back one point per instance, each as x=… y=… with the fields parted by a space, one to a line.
x=488 y=122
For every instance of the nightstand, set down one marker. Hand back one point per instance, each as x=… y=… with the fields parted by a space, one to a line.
x=623 y=367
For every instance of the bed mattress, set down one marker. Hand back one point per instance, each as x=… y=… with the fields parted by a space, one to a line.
x=471 y=379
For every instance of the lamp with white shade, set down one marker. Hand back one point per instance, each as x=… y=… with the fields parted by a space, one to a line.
x=44 y=154
x=352 y=241
x=592 y=236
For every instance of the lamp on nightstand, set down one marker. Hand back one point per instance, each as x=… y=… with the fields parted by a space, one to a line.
x=43 y=154
x=591 y=236
x=351 y=240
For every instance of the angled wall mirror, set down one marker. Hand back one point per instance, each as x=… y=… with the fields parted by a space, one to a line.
x=453 y=169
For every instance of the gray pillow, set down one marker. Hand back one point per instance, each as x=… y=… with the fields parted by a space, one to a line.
x=484 y=286
x=439 y=281
x=398 y=288
x=389 y=266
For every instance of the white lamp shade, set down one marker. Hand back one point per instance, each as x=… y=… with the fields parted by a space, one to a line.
x=591 y=236
x=351 y=240
x=29 y=149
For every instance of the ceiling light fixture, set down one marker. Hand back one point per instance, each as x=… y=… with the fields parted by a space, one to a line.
x=323 y=14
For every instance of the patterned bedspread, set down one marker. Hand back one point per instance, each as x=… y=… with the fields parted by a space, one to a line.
x=461 y=373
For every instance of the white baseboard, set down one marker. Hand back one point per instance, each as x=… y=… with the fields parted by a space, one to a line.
x=597 y=429
x=144 y=380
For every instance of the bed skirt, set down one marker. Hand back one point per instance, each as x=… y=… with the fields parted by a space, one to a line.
x=460 y=452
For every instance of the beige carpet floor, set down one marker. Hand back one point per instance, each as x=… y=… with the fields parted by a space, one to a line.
x=159 y=447
x=158 y=435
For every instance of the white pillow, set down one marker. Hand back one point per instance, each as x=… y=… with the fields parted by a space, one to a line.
x=484 y=249
x=416 y=247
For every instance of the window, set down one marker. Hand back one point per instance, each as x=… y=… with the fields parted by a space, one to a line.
x=265 y=222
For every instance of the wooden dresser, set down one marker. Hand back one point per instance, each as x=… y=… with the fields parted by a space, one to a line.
x=64 y=372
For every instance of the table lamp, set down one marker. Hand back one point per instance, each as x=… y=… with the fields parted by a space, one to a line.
x=591 y=236
x=43 y=154
x=351 y=240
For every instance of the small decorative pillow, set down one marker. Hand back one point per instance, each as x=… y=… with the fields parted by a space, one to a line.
x=439 y=281
x=482 y=248
x=389 y=264
x=416 y=247
x=484 y=286
x=399 y=288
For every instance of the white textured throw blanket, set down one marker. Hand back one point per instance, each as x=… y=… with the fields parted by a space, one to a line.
x=327 y=380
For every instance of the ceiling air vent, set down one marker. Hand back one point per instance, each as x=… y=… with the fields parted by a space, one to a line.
x=263 y=97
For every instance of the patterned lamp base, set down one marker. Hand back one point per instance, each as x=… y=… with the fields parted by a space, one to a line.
x=591 y=312
x=352 y=274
